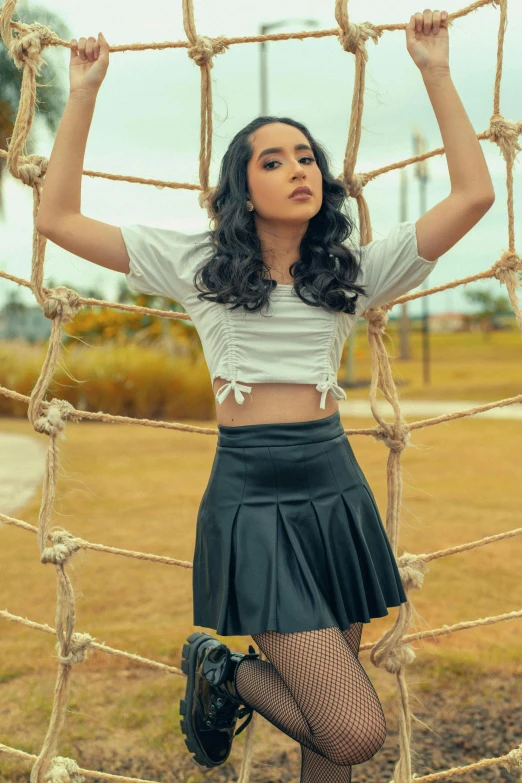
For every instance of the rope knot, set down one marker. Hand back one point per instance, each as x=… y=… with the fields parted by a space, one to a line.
x=508 y=262
x=78 y=646
x=411 y=570
x=377 y=318
x=395 y=436
x=26 y=48
x=514 y=758
x=204 y=49
x=355 y=185
x=353 y=36
x=398 y=656
x=33 y=170
x=63 y=770
x=62 y=302
x=505 y=133
x=53 y=421
x=63 y=546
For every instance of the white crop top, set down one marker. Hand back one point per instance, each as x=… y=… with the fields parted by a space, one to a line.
x=291 y=342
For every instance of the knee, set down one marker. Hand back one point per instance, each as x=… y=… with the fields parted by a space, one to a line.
x=374 y=741
x=354 y=745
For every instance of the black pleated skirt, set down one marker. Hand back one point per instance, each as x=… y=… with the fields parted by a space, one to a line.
x=289 y=537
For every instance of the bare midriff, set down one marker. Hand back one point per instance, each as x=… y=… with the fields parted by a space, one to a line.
x=273 y=403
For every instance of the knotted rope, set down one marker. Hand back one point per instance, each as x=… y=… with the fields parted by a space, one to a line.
x=202 y=51
x=391 y=652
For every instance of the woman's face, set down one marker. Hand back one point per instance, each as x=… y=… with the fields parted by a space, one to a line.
x=273 y=176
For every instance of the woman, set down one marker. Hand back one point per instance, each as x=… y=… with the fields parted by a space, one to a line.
x=290 y=548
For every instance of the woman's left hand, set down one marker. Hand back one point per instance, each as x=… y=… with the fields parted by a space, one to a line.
x=427 y=39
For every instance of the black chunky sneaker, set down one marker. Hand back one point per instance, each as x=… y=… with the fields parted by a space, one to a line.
x=212 y=704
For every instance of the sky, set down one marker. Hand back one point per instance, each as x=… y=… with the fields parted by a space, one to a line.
x=146 y=121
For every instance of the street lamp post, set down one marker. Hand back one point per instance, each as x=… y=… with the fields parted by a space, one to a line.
x=263 y=30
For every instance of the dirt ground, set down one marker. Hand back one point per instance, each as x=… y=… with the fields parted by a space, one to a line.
x=460 y=717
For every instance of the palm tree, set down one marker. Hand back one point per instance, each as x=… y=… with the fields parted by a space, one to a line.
x=52 y=108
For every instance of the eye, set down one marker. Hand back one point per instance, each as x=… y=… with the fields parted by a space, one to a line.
x=268 y=163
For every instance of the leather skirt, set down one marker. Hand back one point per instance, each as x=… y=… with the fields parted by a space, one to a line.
x=288 y=536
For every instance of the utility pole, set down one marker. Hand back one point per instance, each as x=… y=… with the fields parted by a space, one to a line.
x=421 y=172
x=405 y=321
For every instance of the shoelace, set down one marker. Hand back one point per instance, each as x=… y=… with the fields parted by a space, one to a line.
x=219 y=715
x=241 y=714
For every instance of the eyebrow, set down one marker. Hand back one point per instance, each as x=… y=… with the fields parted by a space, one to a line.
x=280 y=149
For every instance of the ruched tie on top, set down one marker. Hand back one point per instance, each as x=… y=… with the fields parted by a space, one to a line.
x=330 y=385
x=225 y=390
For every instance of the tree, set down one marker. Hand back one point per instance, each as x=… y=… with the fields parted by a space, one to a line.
x=488 y=306
x=15 y=303
x=11 y=80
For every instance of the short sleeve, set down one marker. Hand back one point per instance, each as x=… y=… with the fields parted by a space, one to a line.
x=163 y=261
x=392 y=266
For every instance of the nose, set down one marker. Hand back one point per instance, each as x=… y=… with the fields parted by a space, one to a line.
x=299 y=170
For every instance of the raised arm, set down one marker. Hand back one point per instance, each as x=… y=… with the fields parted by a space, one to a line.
x=472 y=193
x=59 y=217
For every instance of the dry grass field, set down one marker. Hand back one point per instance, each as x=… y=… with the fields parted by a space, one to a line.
x=139 y=488
x=480 y=366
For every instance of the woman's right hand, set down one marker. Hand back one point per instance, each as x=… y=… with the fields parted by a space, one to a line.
x=89 y=63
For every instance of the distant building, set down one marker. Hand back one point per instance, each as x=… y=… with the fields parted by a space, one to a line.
x=28 y=323
x=447 y=322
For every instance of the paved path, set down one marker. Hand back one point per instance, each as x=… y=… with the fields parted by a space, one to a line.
x=427 y=409
x=22 y=464
x=22 y=460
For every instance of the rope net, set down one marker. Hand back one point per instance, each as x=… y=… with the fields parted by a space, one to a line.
x=393 y=651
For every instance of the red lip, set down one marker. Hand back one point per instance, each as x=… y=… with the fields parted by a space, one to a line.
x=302 y=189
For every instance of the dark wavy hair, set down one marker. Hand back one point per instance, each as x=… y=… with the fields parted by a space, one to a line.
x=236 y=273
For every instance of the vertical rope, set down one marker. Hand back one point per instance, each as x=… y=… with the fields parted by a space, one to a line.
x=61 y=305
x=353 y=39
x=202 y=51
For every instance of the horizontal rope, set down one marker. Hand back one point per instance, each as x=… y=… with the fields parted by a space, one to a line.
x=247 y=39
x=506 y=759
x=102 y=547
x=78 y=415
x=89 y=773
x=100 y=647
x=470 y=545
x=365 y=177
x=7 y=520
x=445 y=630
x=93 y=302
x=509 y=759
x=103 y=303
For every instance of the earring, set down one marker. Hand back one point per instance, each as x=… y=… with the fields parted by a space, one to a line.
x=250 y=206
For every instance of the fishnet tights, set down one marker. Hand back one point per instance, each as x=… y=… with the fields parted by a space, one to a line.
x=314 y=689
